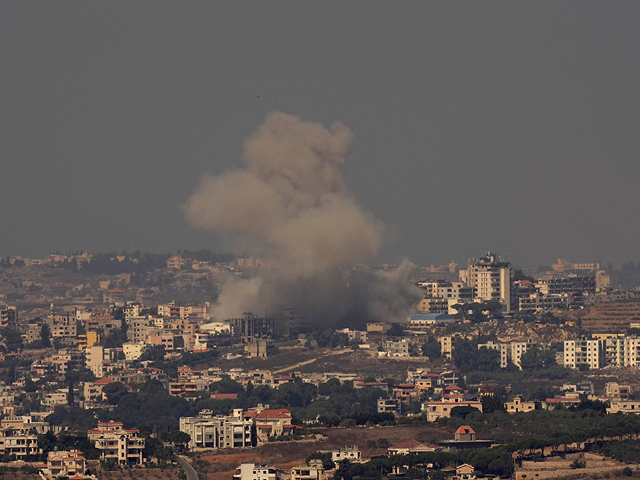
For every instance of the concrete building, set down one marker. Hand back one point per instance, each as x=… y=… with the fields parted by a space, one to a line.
x=623 y=351
x=209 y=431
x=491 y=278
x=8 y=316
x=518 y=404
x=116 y=443
x=517 y=350
x=584 y=351
x=66 y=463
x=251 y=471
x=446 y=346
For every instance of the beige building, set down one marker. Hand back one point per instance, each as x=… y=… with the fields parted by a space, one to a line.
x=446 y=346
x=68 y=464
x=518 y=404
x=583 y=351
x=118 y=444
x=491 y=278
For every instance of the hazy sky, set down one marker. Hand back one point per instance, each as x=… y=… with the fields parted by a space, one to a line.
x=510 y=126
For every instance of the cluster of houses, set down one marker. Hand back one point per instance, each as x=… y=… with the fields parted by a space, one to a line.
x=19 y=438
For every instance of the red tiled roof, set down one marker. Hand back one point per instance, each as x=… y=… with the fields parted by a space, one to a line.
x=453 y=387
x=465 y=429
x=277 y=413
x=103 y=381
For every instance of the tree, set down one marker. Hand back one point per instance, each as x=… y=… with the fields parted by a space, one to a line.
x=492 y=403
x=179 y=439
x=114 y=391
x=536 y=358
x=226 y=386
x=154 y=353
x=396 y=330
x=431 y=348
x=45 y=335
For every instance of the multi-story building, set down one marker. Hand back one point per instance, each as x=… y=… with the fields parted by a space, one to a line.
x=517 y=350
x=118 y=444
x=209 y=431
x=8 y=316
x=398 y=349
x=273 y=423
x=491 y=279
x=552 y=285
x=18 y=442
x=623 y=351
x=446 y=346
x=584 y=351
x=66 y=464
x=614 y=389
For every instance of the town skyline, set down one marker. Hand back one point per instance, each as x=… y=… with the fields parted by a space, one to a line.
x=510 y=127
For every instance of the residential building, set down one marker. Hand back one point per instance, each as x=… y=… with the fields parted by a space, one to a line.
x=517 y=350
x=14 y=441
x=313 y=471
x=491 y=278
x=630 y=407
x=251 y=471
x=8 y=316
x=273 y=423
x=398 y=349
x=351 y=453
x=442 y=409
x=446 y=346
x=389 y=405
x=518 y=404
x=209 y=431
x=116 y=443
x=62 y=463
x=623 y=351
x=614 y=389
x=584 y=351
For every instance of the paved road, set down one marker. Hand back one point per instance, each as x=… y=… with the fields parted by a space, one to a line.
x=188 y=469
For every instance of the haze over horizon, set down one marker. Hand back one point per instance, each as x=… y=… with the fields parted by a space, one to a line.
x=504 y=126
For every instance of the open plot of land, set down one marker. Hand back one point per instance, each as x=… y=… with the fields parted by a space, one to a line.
x=363 y=362
x=139 y=473
x=607 y=317
x=556 y=467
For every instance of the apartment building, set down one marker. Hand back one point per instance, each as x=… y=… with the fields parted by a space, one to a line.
x=117 y=443
x=490 y=276
x=623 y=351
x=210 y=431
x=584 y=351
x=8 y=316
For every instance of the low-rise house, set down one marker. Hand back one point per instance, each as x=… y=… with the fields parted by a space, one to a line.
x=389 y=405
x=411 y=446
x=313 y=471
x=435 y=410
x=518 y=404
x=631 y=407
x=465 y=472
x=251 y=471
x=273 y=423
x=338 y=454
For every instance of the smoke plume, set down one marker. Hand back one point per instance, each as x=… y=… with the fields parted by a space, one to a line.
x=290 y=199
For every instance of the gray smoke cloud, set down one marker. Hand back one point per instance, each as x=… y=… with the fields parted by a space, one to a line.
x=290 y=199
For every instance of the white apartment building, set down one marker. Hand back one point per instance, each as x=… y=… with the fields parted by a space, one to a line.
x=209 y=431
x=517 y=350
x=623 y=351
x=583 y=351
x=491 y=278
